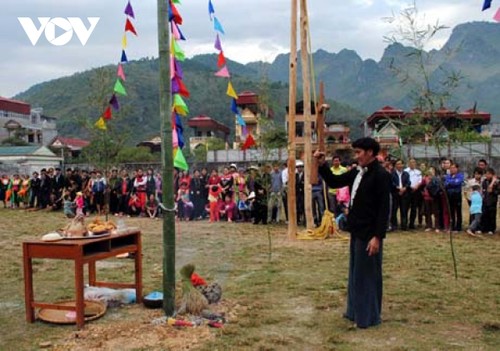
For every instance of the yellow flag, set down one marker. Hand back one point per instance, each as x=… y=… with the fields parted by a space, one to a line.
x=101 y=124
x=124 y=41
x=230 y=91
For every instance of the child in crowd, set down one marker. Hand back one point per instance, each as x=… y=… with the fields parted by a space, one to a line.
x=68 y=205
x=475 y=209
x=228 y=208
x=341 y=219
x=214 y=192
x=244 y=207
x=79 y=202
x=134 y=205
x=184 y=204
x=152 y=207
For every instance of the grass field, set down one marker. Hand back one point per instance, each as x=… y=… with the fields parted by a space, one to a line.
x=289 y=297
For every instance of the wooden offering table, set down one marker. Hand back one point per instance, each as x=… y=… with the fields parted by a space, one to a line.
x=81 y=251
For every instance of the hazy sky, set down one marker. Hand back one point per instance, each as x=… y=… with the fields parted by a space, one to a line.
x=255 y=30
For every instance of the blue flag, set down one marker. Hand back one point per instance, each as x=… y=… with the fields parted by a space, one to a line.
x=210 y=9
x=234 y=106
x=124 y=57
x=487 y=4
x=218 y=26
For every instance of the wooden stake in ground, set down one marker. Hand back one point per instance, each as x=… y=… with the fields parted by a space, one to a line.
x=167 y=162
x=292 y=97
x=306 y=87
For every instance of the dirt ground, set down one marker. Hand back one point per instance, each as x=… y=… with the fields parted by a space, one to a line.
x=278 y=294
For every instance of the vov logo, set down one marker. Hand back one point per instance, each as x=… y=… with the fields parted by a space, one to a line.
x=66 y=25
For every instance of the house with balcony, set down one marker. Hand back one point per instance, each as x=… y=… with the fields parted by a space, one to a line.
x=18 y=120
x=204 y=128
x=384 y=125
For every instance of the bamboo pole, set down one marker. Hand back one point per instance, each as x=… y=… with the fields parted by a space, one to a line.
x=167 y=161
x=292 y=97
x=306 y=86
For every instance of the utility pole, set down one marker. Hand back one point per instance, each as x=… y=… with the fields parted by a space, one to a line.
x=167 y=161
x=292 y=97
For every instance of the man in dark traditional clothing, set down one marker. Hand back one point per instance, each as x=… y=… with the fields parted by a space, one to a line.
x=369 y=185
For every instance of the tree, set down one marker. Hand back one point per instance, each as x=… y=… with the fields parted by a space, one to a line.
x=431 y=88
x=104 y=144
x=136 y=154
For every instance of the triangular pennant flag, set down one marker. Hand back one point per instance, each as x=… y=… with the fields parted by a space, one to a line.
x=244 y=131
x=130 y=27
x=240 y=120
x=100 y=124
x=486 y=4
x=176 y=1
x=114 y=102
x=182 y=88
x=249 y=142
x=172 y=67
x=230 y=91
x=211 y=9
x=497 y=15
x=180 y=137
x=124 y=57
x=120 y=73
x=223 y=72
x=234 y=106
x=124 y=41
x=119 y=88
x=178 y=69
x=129 y=10
x=176 y=32
x=177 y=121
x=217 y=44
x=174 y=15
x=174 y=86
x=175 y=138
x=107 y=113
x=180 y=161
x=221 y=60
x=176 y=49
x=218 y=26
x=180 y=105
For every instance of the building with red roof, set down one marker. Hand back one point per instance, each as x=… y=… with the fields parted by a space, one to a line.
x=71 y=147
x=205 y=128
x=384 y=125
x=18 y=120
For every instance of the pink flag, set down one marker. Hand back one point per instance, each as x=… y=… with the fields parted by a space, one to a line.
x=175 y=31
x=120 y=72
x=172 y=66
x=497 y=15
x=223 y=72
x=175 y=138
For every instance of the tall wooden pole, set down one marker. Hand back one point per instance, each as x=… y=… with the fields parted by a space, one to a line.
x=292 y=97
x=306 y=86
x=167 y=161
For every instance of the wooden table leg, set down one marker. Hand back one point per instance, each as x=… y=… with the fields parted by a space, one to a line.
x=28 y=285
x=138 y=271
x=92 y=273
x=80 y=303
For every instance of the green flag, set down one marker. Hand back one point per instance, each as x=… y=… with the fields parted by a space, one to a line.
x=180 y=161
x=176 y=49
x=119 y=88
x=180 y=105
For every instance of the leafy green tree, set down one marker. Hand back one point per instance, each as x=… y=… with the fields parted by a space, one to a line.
x=133 y=154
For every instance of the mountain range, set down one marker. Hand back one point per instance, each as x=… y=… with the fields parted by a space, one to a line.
x=354 y=87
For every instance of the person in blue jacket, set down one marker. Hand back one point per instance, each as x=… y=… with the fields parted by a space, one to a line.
x=453 y=183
